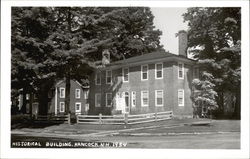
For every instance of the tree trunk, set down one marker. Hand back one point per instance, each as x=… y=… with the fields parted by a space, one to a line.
x=23 y=109
x=237 y=108
x=30 y=104
x=67 y=95
x=43 y=101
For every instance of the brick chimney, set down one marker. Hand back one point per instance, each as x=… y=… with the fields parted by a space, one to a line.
x=182 y=35
x=105 y=57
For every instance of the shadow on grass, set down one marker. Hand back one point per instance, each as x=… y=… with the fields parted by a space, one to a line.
x=25 y=121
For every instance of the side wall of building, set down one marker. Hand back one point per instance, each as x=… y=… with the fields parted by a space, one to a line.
x=169 y=84
x=73 y=100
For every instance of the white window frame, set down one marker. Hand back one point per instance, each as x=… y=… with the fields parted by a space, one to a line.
x=78 y=97
x=183 y=99
x=133 y=98
x=60 y=107
x=108 y=76
x=107 y=99
x=142 y=104
x=142 y=73
x=182 y=64
x=96 y=99
x=80 y=107
x=86 y=95
x=62 y=89
x=157 y=71
x=96 y=77
x=123 y=74
x=157 y=96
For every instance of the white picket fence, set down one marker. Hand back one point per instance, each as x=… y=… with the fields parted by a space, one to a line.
x=124 y=119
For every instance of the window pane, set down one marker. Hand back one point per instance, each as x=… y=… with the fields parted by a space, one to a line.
x=109 y=99
x=62 y=92
x=144 y=72
x=125 y=74
x=133 y=98
x=180 y=70
x=108 y=76
x=181 y=97
x=77 y=93
x=159 y=74
x=159 y=97
x=145 y=98
x=98 y=100
x=158 y=67
x=98 y=78
x=159 y=101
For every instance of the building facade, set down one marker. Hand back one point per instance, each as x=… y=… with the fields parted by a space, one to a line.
x=56 y=99
x=153 y=82
x=78 y=98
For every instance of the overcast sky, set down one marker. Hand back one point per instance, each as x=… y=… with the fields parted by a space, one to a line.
x=169 y=21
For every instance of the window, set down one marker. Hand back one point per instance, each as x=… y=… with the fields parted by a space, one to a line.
x=159 y=97
x=108 y=77
x=125 y=75
x=62 y=107
x=180 y=71
x=86 y=95
x=78 y=107
x=98 y=99
x=62 y=92
x=159 y=71
x=108 y=99
x=98 y=78
x=181 y=97
x=133 y=99
x=144 y=98
x=27 y=96
x=144 y=72
x=77 y=93
x=35 y=96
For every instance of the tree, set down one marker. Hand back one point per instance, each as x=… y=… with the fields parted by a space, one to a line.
x=204 y=96
x=81 y=34
x=29 y=60
x=67 y=41
x=214 y=36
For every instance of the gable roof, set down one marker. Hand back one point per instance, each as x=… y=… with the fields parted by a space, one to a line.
x=150 y=57
x=61 y=81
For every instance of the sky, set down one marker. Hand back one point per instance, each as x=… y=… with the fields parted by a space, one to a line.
x=169 y=21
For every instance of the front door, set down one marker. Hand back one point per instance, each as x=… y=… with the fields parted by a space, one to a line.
x=127 y=103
